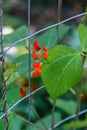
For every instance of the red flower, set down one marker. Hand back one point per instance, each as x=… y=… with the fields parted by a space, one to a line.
x=37 y=54
x=37 y=46
x=45 y=48
x=33 y=88
x=38 y=57
x=22 y=92
x=25 y=84
x=36 y=72
x=33 y=50
x=34 y=56
x=45 y=54
x=36 y=65
x=24 y=89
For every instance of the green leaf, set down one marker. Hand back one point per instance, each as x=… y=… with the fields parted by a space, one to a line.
x=62 y=70
x=23 y=61
x=1 y=106
x=82 y=31
x=67 y=106
x=49 y=38
x=13 y=95
x=48 y=121
x=2 y=126
x=78 y=124
x=10 y=70
x=74 y=40
x=15 y=75
x=15 y=122
x=21 y=70
x=16 y=35
x=64 y=30
x=11 y=119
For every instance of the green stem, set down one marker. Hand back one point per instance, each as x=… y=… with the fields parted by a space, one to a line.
x=58 y=29
x=72 y=91
x=79 y=94
x=53 y=111
x=39 y=117
x=31 y=123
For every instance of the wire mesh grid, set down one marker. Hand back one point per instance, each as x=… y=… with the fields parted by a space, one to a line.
x=3 y=53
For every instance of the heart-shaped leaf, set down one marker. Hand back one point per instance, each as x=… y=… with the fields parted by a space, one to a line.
x=62 y=70
x=82 y=31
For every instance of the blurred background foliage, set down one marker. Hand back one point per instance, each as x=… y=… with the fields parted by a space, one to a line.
x=43 y=13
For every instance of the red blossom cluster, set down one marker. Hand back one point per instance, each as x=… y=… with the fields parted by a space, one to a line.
x=37 y=69
x=24 y=89
x=38 y=52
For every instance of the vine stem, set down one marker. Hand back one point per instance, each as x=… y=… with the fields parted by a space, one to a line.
x=79 y=93
x=59 y=9
x=59 y=17
x=19 y=101
x=53 y=111
x=29 y=63
x=3 y=69
x=29 y=122
x=39 y=117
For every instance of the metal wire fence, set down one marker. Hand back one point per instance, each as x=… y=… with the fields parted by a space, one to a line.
x=3 y=53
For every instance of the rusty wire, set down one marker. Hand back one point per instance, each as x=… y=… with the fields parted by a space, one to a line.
x=3 y=83
x=29 y=64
